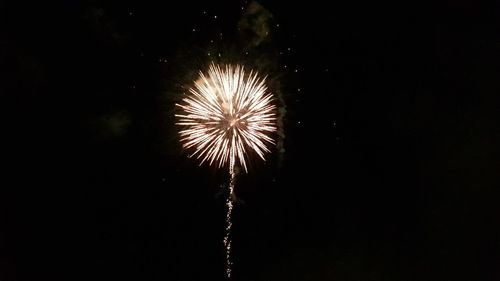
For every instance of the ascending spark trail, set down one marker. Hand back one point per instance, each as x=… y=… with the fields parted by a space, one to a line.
x=227 y=115
x=229 y=223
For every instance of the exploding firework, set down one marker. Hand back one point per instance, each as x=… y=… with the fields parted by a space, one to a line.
x=227 y=116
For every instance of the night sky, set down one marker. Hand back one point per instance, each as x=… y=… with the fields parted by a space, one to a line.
x=387 y=162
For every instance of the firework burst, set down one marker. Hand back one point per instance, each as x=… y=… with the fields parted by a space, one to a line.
x=227 y=116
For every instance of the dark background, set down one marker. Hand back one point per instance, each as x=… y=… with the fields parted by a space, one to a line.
x=391 y=163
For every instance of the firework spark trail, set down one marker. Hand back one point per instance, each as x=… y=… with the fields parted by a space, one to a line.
x=227 y=115
x=229 y=223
